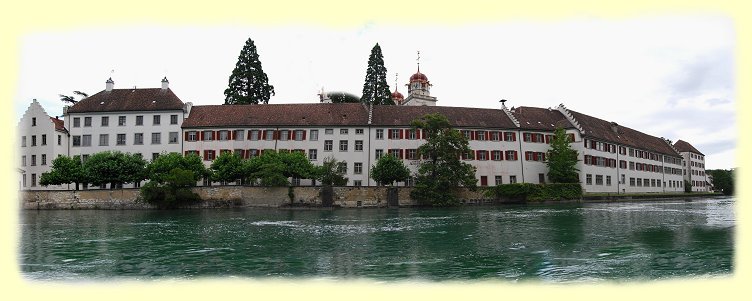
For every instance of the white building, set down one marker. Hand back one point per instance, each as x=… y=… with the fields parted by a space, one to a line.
x=694 y=166
x=42 y=139
x=143 y=121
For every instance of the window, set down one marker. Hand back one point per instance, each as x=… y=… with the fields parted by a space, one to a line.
x=173 y=119
x=44 y=139
x=105 y=121
x=139 y=120
x=23 y=141
x=342 y=167
x=358 y=145
x=156 y=138
x=328 y=145
x=608 y=180
x=623 y=181
x=33 y=160
x=269 y=135
x=379 y=153
x=224 y=135
x=44 y=159
x=313 y=154
x=358 y=131
x=156 y=120
x=589 y=179
x=87 y=121
x=209 y=155
x=497 y=180
x=495 y=136
x=482 y=156
x=343 y=131
x=512 y=179
x=412 y=135
x=84 y=158
x=191 y=136
x=467 y=134
x=33 y=121
x=379 y=134
x=33 y=180
x=631 y=165
x=483 y=181
x=598 y=179
x=343 y=145
x=509 y=136
x=481 y=135
x=329 y=131
x=299 y=135
x=284 y=134
x=357 y=183
x=76 y=140
x=34 y=140
x=76 y=122
x=138 y=138
x=639 y=182
x=208 y=135
x=412 y=154
x=511 y=155
x=173 y=137
x=314 y=135
x=23 y=160
x=86 y=140
x=358 y=168
x=104 y=139
x=253 y=135
x=120 y=139
x=396 y=153
x=121 y=120
x=541 y=178
x=496 y=155
x=394 y=134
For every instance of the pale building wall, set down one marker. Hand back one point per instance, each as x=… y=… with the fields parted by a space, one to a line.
x=38 y=156
x=694 y=171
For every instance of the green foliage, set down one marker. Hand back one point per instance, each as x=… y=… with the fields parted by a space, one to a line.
x=227 y=167
x=173 y=192
x=388 y=169
x=723 y=180
x=375 y=89
x=343 y=97
x=536 y=192
x=440 y=174
x=331 y=173
x=687 y=186
x=248 y=83
x=65 y=170
x=110 y=167
x=562 y=159
x=274 y=169
x=159 y=168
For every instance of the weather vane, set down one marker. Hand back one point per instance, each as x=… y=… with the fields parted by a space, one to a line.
x=418 y=60
x=396 y=75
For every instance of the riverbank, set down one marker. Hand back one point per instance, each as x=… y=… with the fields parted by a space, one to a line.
x=246 y=196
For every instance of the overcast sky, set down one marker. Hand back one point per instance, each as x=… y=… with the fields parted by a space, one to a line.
x=669 y=76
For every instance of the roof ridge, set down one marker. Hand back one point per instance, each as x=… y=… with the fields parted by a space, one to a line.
x=510 y=115
x=568 y=115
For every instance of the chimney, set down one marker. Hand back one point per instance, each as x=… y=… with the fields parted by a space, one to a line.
x=165 y=83
x=109 y=84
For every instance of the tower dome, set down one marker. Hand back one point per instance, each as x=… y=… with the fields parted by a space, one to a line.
x=418 y=76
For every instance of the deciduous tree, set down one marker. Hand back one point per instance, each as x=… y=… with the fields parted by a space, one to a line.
x=388 y=169
x=562 y=159
x=65 y=170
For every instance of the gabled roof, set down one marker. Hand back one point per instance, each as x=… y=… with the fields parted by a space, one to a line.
x=59 y=124
x=604 y=130
x=150 y=99
x=532 y=118
x=308 y=114
x=684 y=146
x=458 y=117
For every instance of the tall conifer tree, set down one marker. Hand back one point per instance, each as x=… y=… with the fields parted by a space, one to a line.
x=375 y=88
x=248 y=82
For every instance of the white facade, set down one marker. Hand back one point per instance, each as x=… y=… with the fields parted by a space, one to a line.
x=40 y=142
x=694 y=171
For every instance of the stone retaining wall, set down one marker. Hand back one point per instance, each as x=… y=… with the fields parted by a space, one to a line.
x=224 y=197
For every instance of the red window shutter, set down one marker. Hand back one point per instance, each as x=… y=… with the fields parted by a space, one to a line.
x=487 y=155
x=206 y=155
x=401 y=153
x=548 y=139
x=477 y=154
x=418 y=134
x=424 y=134
x=304 y=134
x=201 y=135
x=185 y=136
x=515 y=156
x=402 y=134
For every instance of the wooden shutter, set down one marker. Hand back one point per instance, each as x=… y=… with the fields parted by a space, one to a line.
x=304 y=134
x=201 y=135
x=401 y=152
x=548 y=139
x=185 y=136
x=402 y=134
x=289 y=135
x=515 y=156
x=425 y=134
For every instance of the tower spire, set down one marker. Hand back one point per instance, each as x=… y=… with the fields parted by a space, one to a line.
x=418 y=60
x=396 y=76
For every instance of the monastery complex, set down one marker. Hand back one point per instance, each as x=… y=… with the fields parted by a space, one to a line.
x=509 y=145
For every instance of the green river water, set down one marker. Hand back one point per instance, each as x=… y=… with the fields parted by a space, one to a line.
x=550 y=243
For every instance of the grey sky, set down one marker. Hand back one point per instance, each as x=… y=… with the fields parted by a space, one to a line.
x=670 y=76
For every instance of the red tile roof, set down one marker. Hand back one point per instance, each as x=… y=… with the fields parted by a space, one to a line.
x=458 y=117
x=604 y=130
x=684 y=146
x=59 y=124
x=532 y=118
x=309 y=114
x=150 y=99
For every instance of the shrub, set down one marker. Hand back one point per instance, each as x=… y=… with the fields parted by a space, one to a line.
x=536 y=192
